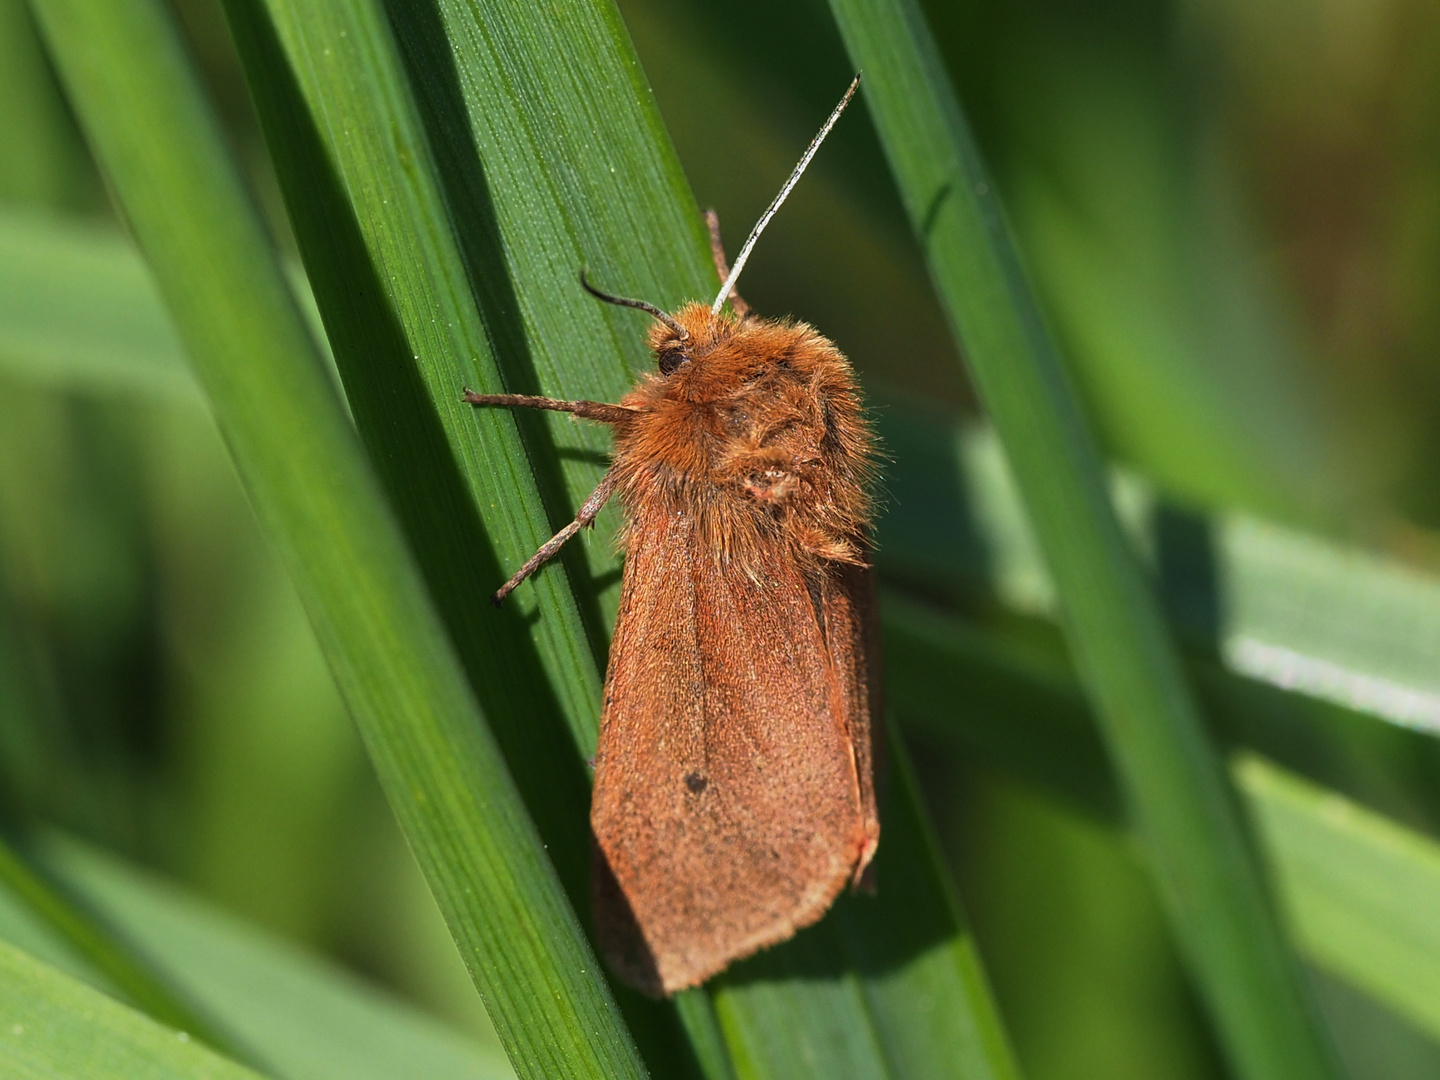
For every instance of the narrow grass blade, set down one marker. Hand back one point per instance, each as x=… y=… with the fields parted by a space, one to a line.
x=44 y=161
x=126 y=969
x=1197 y=850
x=146 y=117
x=696 y=1010
x=57 y=1028
x=78 y=308
x=1303 y=613
x=299 y=1015
x=1359 y=891
x=1328 y=620
x=412 y=279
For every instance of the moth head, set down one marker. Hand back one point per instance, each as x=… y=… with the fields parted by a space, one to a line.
x=673 y=350
x=670 y=340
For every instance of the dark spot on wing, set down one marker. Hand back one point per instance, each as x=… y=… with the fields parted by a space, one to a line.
x=695 y=782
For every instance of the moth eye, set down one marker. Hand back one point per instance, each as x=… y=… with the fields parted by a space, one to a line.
x=671 y=359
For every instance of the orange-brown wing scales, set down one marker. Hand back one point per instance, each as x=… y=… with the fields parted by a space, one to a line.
x=852 y=632
x=728 y=809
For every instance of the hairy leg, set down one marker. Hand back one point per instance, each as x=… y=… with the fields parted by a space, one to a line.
x=588 y=512
x=589 y=410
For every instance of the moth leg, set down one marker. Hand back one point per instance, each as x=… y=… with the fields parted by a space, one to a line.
x=722 y=264
x=588 y=410
x=588 y=512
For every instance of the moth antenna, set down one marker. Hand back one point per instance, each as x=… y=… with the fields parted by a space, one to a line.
x=784 y=194
x=651 y=309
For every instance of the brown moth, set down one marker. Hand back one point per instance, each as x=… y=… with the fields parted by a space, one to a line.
x=734 y=794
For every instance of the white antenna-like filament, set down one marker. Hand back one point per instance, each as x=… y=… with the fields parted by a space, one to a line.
x=784 y=193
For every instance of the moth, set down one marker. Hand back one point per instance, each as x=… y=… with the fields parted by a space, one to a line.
x=734 y=781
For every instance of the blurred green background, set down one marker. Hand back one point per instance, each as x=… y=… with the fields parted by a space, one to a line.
x=1232 y=213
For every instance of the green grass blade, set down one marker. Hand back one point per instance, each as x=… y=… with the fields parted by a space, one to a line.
x=1193 y=838
x=299 y=1015
x=367 y=205
x=57 y=1028
x=1361 y=891
x=616 y=199
x=696 y=1010
x=125 y=969
x=1300 y=612
x=77 y=308
x=44 y=161
x=1328 y=620
x=147 y=120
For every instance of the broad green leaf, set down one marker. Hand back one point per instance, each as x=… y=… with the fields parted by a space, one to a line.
x=53 y=1027
x=147 y=120
x=1194 y=842
x=298 y=1015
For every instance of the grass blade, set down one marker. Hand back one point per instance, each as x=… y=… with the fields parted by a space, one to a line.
x=146 y=118
x=126 y=971
x=57 y=1028
x=1300 y=612
x=373 y=216
x=44 y=162
x=77 y=308
x=1197 y=851
x=1359 y=891
x=301 y=1016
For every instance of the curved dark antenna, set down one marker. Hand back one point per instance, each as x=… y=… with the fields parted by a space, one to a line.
x=649 y=309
